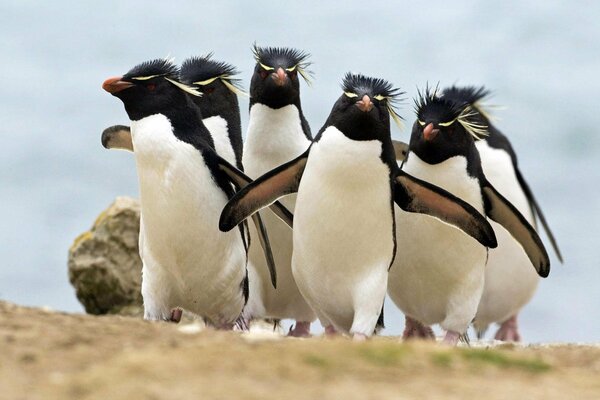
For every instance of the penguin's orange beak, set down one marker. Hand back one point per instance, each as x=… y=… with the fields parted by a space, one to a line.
x=115 y=84
x=365 y=104
x=280 y=77
x=429 y=133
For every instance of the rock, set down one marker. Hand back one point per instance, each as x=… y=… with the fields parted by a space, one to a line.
x=104 y=263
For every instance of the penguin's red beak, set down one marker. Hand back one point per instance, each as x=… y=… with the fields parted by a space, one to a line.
x=115 y=84
x=365 y=104
x=280 y=77
x=429 y=133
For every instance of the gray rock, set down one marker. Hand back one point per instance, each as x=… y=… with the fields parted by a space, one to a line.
x=104 y=263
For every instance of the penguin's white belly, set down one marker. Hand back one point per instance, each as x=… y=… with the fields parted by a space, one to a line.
x=510 y=279
x=438 y=272
x=274 y=137
x=343 y=232
x=217 y=127
x=187 y=260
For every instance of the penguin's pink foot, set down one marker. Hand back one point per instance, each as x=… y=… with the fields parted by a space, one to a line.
x=359 y=337
x=414 y=329
x=176 y=314
x=451 y=338
x=509 y=331
x=300 y=329
x=330 y=331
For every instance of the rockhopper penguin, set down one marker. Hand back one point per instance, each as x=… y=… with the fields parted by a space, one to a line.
x=221 y=115
x=510 y=282
x=184 y=184
x=439 y=276
x=277 y=132
x=344 y=233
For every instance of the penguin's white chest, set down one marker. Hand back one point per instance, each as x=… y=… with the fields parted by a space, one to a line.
x=218 y=129
x=181 y=204
x=274 y=137
x=437 y=276
x=343 y=228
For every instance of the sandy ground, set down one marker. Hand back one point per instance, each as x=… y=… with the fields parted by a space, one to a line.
x=50 y=355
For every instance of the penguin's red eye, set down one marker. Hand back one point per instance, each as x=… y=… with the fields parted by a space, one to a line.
x=209 y=90
x=292 y=74
x=151 y=87
x=263 y=73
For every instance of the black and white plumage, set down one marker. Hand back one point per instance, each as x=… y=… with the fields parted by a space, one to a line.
x=187 y=261
x=220 y=111
x=509 y=280
x=218 y=103
x=347 y=182
x=277 y=132
x=440 y=276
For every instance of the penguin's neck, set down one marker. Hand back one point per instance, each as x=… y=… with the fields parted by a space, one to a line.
x=450 y=174
x=276 y=135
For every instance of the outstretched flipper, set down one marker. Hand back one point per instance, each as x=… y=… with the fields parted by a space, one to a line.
x=414 y=195
x=241 y=180
x=117 y=137
x=276 y=183
x=537 y=212
x=401 y=150
x=503 y=212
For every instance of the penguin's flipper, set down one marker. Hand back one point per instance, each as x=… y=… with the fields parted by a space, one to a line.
x=241 y=180
x=117 y=137
x=503 y=212
x=401 y=150
x=414 y=195
x=263 y=237
x=537 y=212
x=276 y=183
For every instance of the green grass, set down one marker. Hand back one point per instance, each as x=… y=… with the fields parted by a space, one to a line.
x=383 y=356
x=442 y=359
x=500 y=360
x=316 y=361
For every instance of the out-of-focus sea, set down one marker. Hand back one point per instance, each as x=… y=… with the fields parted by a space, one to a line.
x=540 y=58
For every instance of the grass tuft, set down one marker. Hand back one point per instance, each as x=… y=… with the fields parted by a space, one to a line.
x=501 y=360
x=384 y=356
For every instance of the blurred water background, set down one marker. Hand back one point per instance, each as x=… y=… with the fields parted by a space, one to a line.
x=541 y=59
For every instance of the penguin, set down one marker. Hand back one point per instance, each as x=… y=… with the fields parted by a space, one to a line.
x=277 y=132
x=509 y=280
x=221 y=115
x=187 y=262
x=440 y=277
x=346 y=183
x=218 y=103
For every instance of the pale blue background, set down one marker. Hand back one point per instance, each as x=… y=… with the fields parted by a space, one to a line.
x=541 y=58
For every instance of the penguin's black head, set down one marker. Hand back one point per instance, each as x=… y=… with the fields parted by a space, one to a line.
x=215 y=79
x=470 y=96
x=275 y=82
x=444 y=128
x=363 y=111
x=150 y=88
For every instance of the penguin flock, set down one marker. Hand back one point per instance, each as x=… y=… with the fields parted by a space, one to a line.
x=290 y=225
